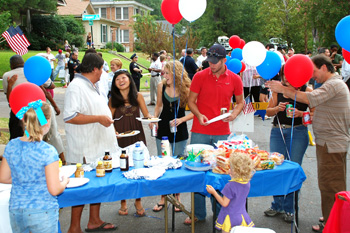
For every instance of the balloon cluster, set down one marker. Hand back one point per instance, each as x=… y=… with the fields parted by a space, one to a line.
x=234 y=63
x=174 y=10
x=342 y=35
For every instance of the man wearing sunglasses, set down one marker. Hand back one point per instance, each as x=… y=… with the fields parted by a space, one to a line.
x=212 y=89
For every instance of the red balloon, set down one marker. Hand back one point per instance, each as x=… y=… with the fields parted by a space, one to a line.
x=243 y=67
x=234 y=41
x=23 y=94
x=242 y=43
x=170 y=11
x=346 y=55
x=298 y=70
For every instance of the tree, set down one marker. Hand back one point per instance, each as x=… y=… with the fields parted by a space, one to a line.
x=155 y=4
x=15 y=7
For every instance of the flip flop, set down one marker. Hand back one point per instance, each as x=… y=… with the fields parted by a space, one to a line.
x=161 y=206
x=321 y=219
x=123 y=212
x=101 y=228
x=318 y=228
x=137 y=214
x=178 y=210
x=188 y=221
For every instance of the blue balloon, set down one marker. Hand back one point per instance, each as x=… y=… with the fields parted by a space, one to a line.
x=342 y=33
x=234 y=65
x=37 y=70
x=237 y=53
x=270 y=66
x=228 y=58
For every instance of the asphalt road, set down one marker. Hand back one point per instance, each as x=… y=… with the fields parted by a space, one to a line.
x=309 y=203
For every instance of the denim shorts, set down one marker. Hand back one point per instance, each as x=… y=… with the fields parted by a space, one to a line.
x=34 y=220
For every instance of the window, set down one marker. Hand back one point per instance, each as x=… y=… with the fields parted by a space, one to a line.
x=103 y=13
x=103 y=33
x=125 y=13
x=126 y=36
x=117 y=32
x=137 y=11
x=118 y=13
x=97 y=10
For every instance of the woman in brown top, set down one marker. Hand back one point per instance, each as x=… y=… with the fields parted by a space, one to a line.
x=125 y=104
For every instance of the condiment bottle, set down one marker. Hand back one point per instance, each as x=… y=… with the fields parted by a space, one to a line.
x=100 y=169
x=165 y=146
x=124 y=161
x=138 y=156
x=79 y=173
x=59 y=163
x=107 y=161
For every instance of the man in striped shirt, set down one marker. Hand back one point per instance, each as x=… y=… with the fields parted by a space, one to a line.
x=331 y=122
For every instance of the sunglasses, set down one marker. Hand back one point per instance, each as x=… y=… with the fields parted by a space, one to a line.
x=121 y=70
x=213 y=54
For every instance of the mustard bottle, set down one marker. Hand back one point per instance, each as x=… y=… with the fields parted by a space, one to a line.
x=100 y=169
x=79 y=173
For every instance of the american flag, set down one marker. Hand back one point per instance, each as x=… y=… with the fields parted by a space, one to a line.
x=248 y=106
x=17 y=40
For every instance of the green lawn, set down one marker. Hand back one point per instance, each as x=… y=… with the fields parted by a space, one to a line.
x=5 y=65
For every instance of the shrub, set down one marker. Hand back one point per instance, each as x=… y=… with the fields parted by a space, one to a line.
x=116 y=46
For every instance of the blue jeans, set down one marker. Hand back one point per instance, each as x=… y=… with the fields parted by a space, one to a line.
x=55 y=72
x=300 y=143
x=34 y=220
x=179 y=147
x=200 y=210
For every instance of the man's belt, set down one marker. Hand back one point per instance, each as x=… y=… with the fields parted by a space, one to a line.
x=155 y=75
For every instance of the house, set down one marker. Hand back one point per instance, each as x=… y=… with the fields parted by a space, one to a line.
x=100 y=30
x=121 y=12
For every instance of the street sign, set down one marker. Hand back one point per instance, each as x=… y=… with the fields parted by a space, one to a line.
x=91 y=17
x=91 y=22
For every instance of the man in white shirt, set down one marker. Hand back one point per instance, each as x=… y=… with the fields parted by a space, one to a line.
x=155 y=69
x=51 y=58
x=89 y=129
x=202 y=57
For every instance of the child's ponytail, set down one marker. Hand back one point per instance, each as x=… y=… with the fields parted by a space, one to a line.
x=31 y=123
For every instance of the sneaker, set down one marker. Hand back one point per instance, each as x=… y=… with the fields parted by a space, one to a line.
x=288 y=217
x=271 y=212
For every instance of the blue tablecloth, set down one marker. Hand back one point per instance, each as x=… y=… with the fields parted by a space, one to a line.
x=282 y=180
x=114 y=186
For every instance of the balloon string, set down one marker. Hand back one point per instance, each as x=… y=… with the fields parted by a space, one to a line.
x=173 y=33
x=291 y=136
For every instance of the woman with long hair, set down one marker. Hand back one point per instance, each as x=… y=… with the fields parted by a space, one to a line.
x=125 y=104
x=172 y=98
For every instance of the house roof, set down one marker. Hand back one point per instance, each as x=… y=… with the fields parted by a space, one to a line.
x=120 y=3
x=76 y=8
x=61 y=2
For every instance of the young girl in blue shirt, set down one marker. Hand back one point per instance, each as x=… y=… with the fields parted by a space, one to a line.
x=31 y=165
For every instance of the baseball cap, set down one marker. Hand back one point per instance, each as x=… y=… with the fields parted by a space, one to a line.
x=134 y=55
x=216 y=53
x=60 y=51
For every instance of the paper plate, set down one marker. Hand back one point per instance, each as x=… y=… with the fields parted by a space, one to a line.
x=77 y=182
x=194 y=166
x=133 y=133
x=148 y=120
x=218 y=118
x=67 y=170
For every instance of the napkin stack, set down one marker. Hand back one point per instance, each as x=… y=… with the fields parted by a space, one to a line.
x=145 y=173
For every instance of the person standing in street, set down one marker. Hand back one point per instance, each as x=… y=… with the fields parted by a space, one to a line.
x=89 y=131
x=212 y=89
x=155 y=69
x=136 y=72
x=331 y=122
x=73 y=63
x=202 y=57
x=190 y=64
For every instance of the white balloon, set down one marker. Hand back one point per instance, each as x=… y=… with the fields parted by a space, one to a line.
x=254 y=53
x=192 y=9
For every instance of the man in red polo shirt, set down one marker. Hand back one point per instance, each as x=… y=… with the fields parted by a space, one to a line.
x=212 y=89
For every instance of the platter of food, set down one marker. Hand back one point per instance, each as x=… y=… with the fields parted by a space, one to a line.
x=148 y=120
x=77 y=182
x=129 y=133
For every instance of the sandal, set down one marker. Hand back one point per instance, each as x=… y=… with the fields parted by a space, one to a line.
x=178 y=210
x=101 y=228
x=138 y=212
x=123 y=212
x=159 y=207
x=188 y=221
x=318 y=228
x=321 y=219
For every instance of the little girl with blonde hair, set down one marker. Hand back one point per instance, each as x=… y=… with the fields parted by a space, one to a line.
x=233 y=211
x=31 y=165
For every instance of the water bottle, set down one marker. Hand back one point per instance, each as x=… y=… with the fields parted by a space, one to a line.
x=165 y=146
x=138 y=156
